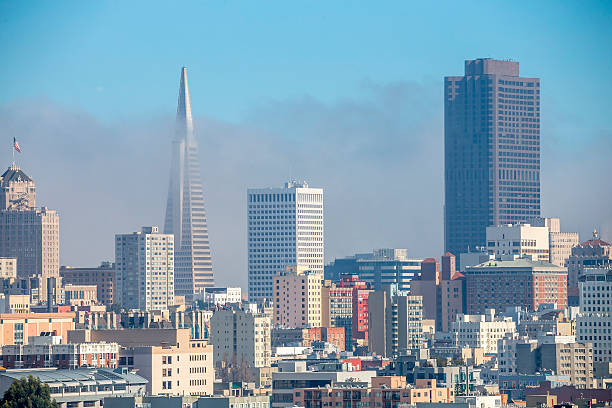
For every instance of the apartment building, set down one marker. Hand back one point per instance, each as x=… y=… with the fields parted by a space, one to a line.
x=17 y=328
x=395 y=321
x=172 y=362
x=240 y=337
x=481 y=331
x=297 y=298
x=519 y=239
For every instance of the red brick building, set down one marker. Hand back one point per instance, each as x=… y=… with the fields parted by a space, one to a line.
x=103 y=277
x=501 y=283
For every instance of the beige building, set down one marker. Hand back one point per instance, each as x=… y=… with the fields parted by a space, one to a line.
x=561 y=243
x=560 y=356
x=240 y=337
x=169 y=359
x=31 y=234
x=519 y=239
x=144 y=263
x=8 y=268
x=14 y=303
x=80 y=295
x=297 y=298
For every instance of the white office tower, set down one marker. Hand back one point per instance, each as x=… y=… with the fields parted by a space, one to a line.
x=285 y=227
x=185 y=213
x=145 y=269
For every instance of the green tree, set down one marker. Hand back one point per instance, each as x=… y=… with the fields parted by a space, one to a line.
x=28 y=393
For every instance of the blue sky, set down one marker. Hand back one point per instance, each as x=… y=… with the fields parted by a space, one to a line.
x=347 y=95
x=112 y=58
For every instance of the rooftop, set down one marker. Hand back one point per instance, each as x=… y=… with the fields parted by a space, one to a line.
x=14 y=173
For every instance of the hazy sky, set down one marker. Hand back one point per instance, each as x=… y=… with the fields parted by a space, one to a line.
x=347 y=95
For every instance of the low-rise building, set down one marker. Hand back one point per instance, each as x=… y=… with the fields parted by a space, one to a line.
x=18 y=327
x=172 y=363
x=293 y=374
x=82 y=387
x=8 y=268
x=384 y=392
x=219 y=296
x=48 y=351
x=306 y=336
x=10 y=303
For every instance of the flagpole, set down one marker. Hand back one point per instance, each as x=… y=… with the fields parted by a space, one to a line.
x=13 y=149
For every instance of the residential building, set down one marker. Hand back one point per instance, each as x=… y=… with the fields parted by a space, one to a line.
x=49 y=351
x=481 y=331
x=8 y=268
x=594 y=253
x=285 y=227
x=103 y=276
x=81 y=387
x=145 y=269
x=507 y=351
x=594 y=322
x=514 y=281
x=240 y=337
x=28 y=234
x=172 y=362
x=337 y=309
x=395 y=321
x=381 y=267
x=297 y=298
x=293 y=374
x=185 y=213
x=384 y=392
x=17 y=328
x=491 y=151
x=519 y=239
x=563 y=358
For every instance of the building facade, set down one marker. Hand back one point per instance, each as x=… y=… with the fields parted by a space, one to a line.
x=519 y=239
x=491 y=151
x=241 y=337
x=594 y=322
x=594 y=253
x=514 y=281
x=17 y=328
x=297 y=298
x=104 y=277
x=145 y=269
x=185 y=212
x=284 y=227
x=381 y=267
x=482 y=331
x=395 y=322
x=8 y=268
x=28 y=234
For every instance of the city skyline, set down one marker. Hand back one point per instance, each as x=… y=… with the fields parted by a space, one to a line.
x=340 y=140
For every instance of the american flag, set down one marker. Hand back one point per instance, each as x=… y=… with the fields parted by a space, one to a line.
x=16 y=145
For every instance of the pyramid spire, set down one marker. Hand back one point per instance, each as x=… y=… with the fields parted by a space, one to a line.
x=184 y=120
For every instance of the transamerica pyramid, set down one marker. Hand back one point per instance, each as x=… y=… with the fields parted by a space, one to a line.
x=185 y=214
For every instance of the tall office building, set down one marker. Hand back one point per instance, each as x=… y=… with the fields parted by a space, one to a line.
x=285 y=227
x=144 y=264
x=491 y=151
x=28 y=234
x=185 y=214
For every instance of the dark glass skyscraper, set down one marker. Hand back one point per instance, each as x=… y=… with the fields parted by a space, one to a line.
x=491 y=151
